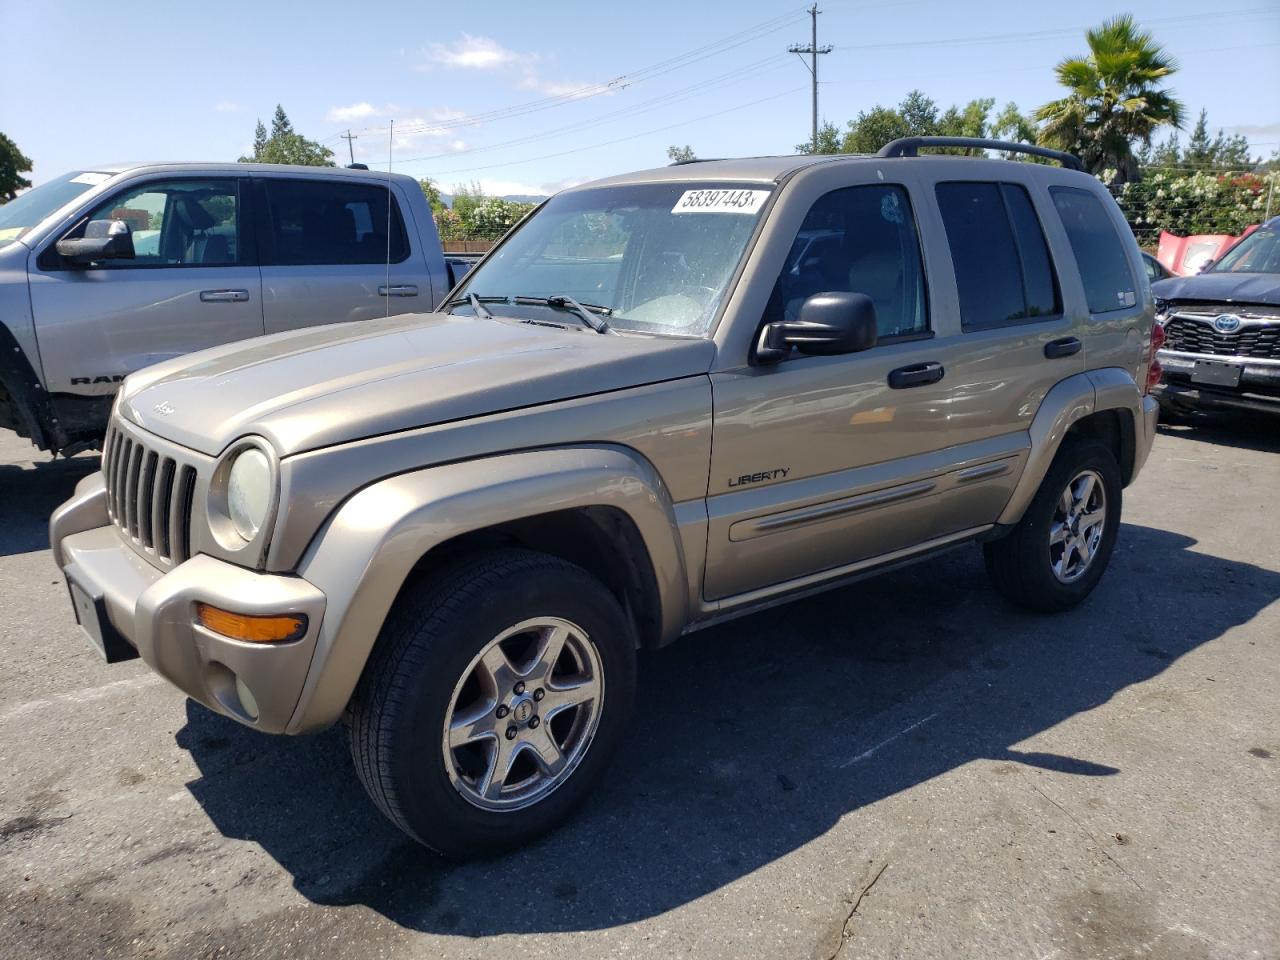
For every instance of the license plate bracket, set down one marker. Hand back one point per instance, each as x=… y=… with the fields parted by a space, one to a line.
x=91 y=614
x=1216 y=373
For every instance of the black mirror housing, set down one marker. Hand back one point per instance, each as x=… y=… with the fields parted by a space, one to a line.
x=828 y=324
x=102 y=240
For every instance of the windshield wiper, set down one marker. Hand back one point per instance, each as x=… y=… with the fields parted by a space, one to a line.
x=477 y=303
x=584 y=311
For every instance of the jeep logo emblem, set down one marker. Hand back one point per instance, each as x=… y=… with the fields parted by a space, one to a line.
x=522 y=711
x=1226 y=323
x=164 y=408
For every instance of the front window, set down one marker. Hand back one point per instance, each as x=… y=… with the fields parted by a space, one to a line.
x=177 y=223
x=654 y=258
x=1257 y=253
x=24 y=212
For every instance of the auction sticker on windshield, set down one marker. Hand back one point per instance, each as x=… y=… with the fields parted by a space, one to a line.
x=720 y=201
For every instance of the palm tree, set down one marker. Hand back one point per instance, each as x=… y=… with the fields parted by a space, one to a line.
x=1115 y=98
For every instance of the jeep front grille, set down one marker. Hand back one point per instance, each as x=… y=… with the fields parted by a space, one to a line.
x=149 y=496
x=1193 y=333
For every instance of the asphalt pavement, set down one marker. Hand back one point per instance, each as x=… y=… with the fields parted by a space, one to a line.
x=902 y=768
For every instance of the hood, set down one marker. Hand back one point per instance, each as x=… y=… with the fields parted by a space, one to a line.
x=324 y=385
x=1262 y=288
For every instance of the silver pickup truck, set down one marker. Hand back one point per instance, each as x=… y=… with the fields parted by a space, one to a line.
x=106 y=271
x=666 y=399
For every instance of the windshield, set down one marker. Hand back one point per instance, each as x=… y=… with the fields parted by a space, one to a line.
x=21 y=214
x=654 y=257
x=1257 y=253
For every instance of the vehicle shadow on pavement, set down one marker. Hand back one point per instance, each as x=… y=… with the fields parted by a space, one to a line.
x=1243 y=429
x=750 y=740
x=29 y=494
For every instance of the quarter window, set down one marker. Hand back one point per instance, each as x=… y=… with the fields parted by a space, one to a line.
x=858 y=240
x=319 y=222
x=1003 y=271
x=177 y=223
x=1104 y=267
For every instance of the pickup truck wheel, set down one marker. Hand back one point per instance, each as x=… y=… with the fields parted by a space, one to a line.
x=493 y=701
x=1059 y=550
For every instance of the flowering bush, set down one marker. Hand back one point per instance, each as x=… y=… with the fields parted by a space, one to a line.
x=1196 y=203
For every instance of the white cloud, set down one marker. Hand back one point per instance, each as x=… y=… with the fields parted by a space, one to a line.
x=471 y=52
x=510 y=188
x=226 y=106
x=357 y=111
x=565 y=88
x=474 y=53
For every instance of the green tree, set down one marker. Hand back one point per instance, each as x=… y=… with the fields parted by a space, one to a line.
x=829 y=140
x=873 y=129
x=1115 y=98
x=680 y=154
x=432 y=193
x=13 y=164
x=285 y=145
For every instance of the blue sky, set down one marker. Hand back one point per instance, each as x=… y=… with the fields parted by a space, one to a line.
x=529 y=97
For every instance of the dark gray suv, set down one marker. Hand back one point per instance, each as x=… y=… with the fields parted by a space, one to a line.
x=1222 y=330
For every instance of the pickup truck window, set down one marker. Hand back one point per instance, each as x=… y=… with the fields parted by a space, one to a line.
x=858 y=240
x=1104 y=269
x=25 y=211
x=177 y=223
x=330 y=222
x=998 y=250
x=657 y=256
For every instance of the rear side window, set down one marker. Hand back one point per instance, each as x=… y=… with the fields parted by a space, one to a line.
x=1104 y=268
x=317 y=222
x=1003 y=271
x=859 y=240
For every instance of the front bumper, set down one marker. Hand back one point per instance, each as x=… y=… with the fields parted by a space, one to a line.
x=154 y=612
x=1259 y=387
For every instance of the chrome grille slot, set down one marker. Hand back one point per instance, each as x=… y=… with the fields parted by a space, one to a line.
x=162 y=505
x=150 y=493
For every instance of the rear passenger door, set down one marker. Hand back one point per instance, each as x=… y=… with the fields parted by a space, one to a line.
x=326 y=246
x=1014 y=332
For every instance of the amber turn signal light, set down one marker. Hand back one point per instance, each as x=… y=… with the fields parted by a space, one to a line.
x=250 y=627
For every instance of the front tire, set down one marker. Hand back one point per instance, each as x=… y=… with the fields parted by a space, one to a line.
x=493 y=701
x=1060 y=548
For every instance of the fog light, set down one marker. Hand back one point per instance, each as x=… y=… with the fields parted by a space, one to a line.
x=250 y=627
x=247 y=701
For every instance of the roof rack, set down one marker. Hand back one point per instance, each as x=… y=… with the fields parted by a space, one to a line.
x=910 y=147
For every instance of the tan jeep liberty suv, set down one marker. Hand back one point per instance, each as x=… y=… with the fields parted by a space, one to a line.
x=665 y=399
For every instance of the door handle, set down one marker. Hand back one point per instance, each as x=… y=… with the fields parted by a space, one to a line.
x=1065 y=347
x=915 y=375
x=403 y=290
x=224 y=296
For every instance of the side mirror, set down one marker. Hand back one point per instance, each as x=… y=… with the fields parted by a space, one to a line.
x=102 y=240
x=829 y=323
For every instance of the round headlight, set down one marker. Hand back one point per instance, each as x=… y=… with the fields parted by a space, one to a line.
x=249 y=492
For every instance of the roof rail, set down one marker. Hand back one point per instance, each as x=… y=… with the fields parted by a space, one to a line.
x=910 y=146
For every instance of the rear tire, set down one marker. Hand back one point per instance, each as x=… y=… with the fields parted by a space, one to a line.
x=447 y=728
x=1052 y=559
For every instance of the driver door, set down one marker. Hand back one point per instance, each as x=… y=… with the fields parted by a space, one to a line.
x=193 y=283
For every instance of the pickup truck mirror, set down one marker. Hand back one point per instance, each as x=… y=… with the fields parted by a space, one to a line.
x=102 y=240
x=828 y=324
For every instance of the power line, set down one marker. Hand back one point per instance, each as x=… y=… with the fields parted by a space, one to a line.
x=979 y=39
x=813 y=50
x=589 y=91
x=754 y=69
x=439 y=176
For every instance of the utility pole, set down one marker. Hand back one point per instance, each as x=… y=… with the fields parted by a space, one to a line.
x=812 y=66
x=351 y=151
